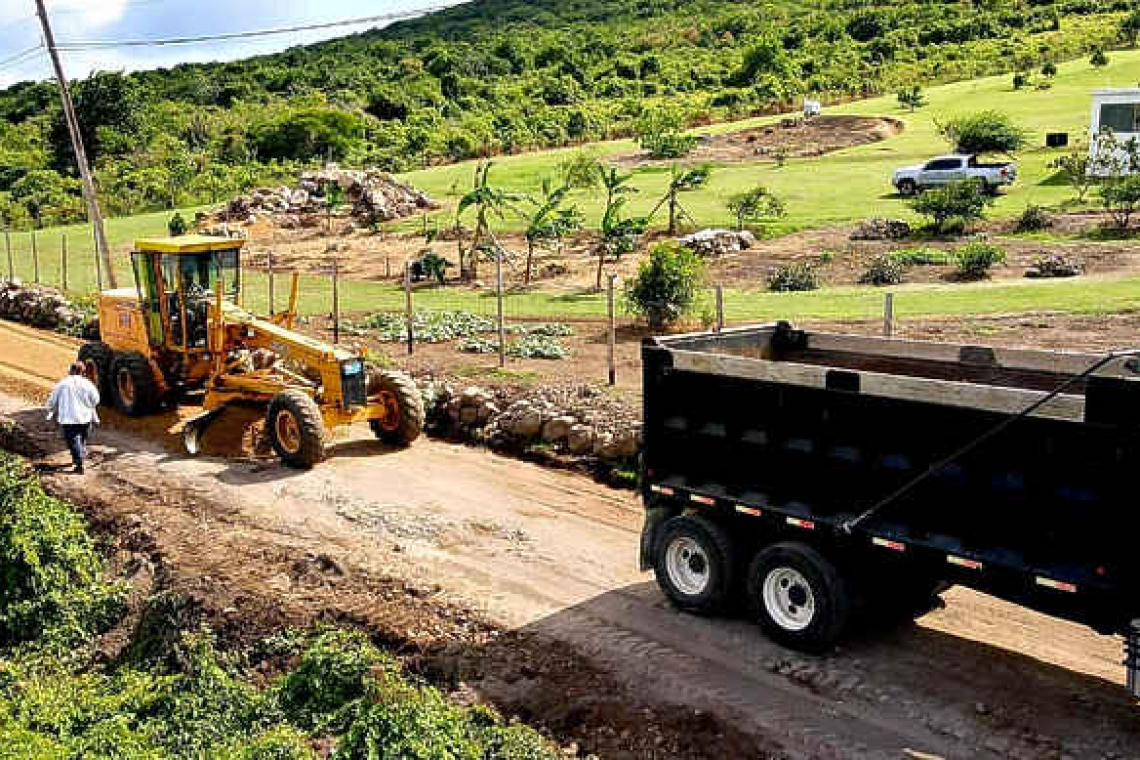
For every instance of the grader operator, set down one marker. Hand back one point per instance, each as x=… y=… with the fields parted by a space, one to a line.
x=182 y=329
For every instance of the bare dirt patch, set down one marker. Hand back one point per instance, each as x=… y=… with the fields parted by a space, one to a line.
x=790 y=138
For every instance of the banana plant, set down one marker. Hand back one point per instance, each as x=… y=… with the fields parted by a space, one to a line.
x=549 y=220
x=681 y=181
x=488 y=201
x=619 y=234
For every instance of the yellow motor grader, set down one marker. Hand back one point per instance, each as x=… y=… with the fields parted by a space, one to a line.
x=183 y=328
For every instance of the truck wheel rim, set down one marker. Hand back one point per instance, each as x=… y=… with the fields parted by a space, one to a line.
x=688 y=565
x=788 y=598
x=126 y=385
x=288 y=433
x=390 y=422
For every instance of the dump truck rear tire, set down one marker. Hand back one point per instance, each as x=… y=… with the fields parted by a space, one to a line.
x=404 y=406
x=97 y=358
x=133 y=385
x=798 y=596
x=296 y=429
x=694 y=563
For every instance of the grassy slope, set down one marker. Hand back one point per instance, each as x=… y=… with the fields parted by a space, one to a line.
x=847 y=185
x=854 y=183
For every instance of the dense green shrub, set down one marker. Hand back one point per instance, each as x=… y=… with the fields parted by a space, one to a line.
x=794 y=277
x=984 y=132
x=920 y=257
x=176 y=226
x=1034 y=219
x=965 y=201
x=975 y=260
x=883 y=270
x=659 y=132
x=1121 y=198
x=51 y=586
x=666 y=285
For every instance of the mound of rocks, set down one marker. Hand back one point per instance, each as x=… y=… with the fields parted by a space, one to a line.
x=577 y=420
x=39 y=306
x=1055 y=265
x=881 y=229
x=374 y=196
x=717 y=242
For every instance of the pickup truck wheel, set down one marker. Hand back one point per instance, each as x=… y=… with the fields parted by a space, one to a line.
x=296 y=429
x=798 y=596
x=908 y=187
x=693 y=562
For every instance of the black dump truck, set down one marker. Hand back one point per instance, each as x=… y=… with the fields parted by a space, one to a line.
x=813 y=476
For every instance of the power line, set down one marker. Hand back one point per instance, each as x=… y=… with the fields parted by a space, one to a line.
x=101 y=44
x=23 y=55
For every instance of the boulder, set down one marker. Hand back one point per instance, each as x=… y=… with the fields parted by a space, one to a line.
x=717 y=242
x=881 y=229
x=580 y=439
x=557 y=429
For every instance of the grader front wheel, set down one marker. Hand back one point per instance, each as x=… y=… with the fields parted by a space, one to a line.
x=403 y=419
x=296 y=429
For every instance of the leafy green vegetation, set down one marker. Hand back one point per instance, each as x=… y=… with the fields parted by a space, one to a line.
x=504 y=76
x=951 y=207
x=974 y=260
x=666 y=286
x=174 y=694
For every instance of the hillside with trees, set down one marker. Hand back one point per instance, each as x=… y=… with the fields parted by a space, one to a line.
x=505 y=76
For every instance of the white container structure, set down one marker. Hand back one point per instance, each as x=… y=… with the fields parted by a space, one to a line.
x=1118 y=110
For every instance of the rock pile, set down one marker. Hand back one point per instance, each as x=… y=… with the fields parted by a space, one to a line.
x=717 y=242
x=580 y=420
x=40 y=307
x=1055 y=265
x=881 y=229
x=373 y=196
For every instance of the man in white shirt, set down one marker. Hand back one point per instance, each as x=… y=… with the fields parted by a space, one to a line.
x=72 y=404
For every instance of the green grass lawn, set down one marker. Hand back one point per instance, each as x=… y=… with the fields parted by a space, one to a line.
x=850 y=184
x=853 y=183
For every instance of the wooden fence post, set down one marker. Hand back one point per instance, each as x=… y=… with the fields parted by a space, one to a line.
x=8 y=250
x=63 y=260
x=269 y=269
x=611 y=332
x=35 y=259
x=888 y=315
x=719 y=308
x=336 y=300
x=499 y=299
x=408 y=313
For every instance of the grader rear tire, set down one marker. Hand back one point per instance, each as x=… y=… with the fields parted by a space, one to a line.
x=404 y=420
x=133 y=385
x=96 y=358
x=296 y=429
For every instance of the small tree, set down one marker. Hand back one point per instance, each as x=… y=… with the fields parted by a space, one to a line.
x=912 y=98
x=666 y=285
x=975 y=260
x=549 y=220
x=177 y=225
x=681 y=181
x=487 y=200
x=618 y=235
x=1075 y=168
x=660 y=132
x=1099 y=58
x=984 y=132
x=1130 y=28
x=965 y=200
x=754 y=206
x=580 y=171
x=1121 y=199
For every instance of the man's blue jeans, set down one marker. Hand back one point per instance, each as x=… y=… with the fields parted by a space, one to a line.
x=76 y=437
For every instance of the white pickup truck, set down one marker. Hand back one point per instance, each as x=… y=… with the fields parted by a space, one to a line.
x=945 y=169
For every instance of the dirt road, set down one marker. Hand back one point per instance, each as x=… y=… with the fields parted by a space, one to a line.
x=552 y=555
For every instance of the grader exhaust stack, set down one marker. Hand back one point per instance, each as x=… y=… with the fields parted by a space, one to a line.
x=183 y=329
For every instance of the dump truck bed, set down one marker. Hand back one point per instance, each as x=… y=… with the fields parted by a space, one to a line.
x=803 y=432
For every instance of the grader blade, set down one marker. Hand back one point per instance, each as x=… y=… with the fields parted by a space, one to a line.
x=194 y=427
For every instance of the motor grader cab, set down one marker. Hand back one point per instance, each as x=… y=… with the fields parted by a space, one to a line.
x=183 y=329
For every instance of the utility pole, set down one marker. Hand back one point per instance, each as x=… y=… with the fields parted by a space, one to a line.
x=102 y=250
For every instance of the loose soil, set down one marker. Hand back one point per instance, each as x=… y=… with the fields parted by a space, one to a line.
x=790 y=138
x=518 y=585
